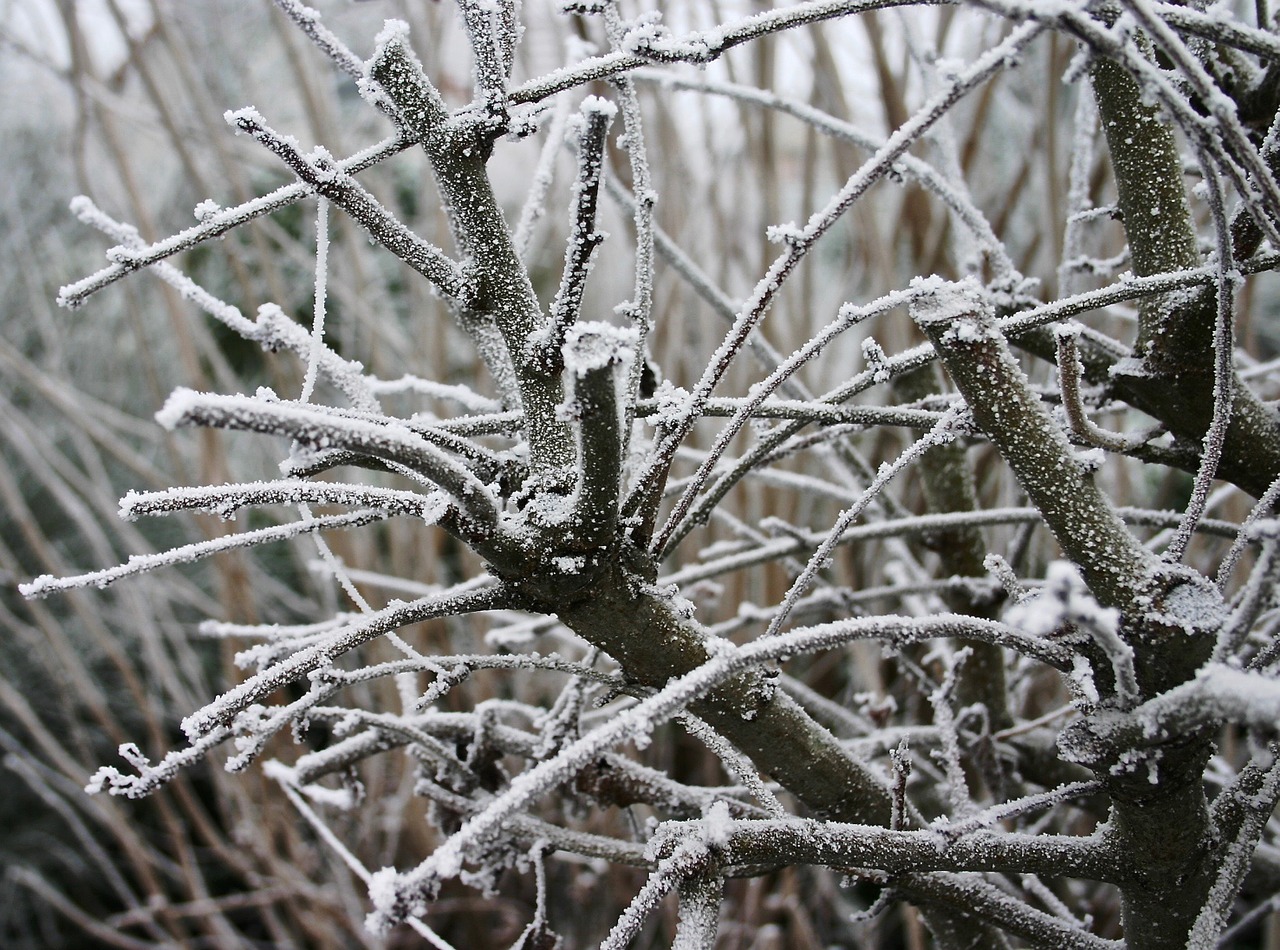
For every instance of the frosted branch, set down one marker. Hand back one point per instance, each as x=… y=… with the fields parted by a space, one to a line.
x=492 y=29
x=46 y=584
x=336 y=643
x=591 y=128
x=272 y=330
x=130 y=259
x=1255 y=810
x=597 y=358
x=833 y=844
x=321 y=174
x=150 y=777
x=704 y=46
x=501 y=292
x=798 y=241
x=960 y=325
x=226 y=500
x=1069 y=380
x=315 y=428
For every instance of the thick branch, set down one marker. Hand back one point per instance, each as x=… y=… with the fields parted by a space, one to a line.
x=1119 y=571
x=770 y=844
x=1175 y=382
x=595 y=355
x=501 y=290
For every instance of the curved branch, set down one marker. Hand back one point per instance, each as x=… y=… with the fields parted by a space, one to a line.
x=315 y=428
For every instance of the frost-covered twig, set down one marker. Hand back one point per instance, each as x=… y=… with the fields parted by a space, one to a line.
x=1069 y=379
x=1016 y=809
x=1224 y=374
x=797 y=242
x=1260 y=510
x=272 y=330
x=324 y=176
x=848 y=317
x=316 y=428
x=285 y=777
x=598 y=358
x=46 y=584
x=707 y=46
x=737 y=763
x=970 y=896
x=534 y=207
x=639 y=309
x=151 y=777
x=1258 y=594
x=705 y=286
x=805 y=841
x=226 y=500
x=943 y=431
x=320 y=300
x=1256 y=807
x=500 y=292
x=307 y=20
x=343 y=639
x=776 y=548
x=494 y=32
x=217 y=224
x=960 y=204
x=593 y=120
x=690 y=857
x=956 y=784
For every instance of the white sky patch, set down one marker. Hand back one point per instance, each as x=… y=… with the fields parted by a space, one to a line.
x=37 y=27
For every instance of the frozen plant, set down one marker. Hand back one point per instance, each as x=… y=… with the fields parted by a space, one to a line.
x=1070 y=739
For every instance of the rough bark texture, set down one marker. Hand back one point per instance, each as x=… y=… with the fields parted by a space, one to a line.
x=1174 y=381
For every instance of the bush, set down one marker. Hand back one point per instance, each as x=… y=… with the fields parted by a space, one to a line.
x=754 y=550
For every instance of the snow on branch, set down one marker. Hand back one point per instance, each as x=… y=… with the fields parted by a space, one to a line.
x=778 y=843
x=326 y=177
x=46 y=584
x=126 y=260
x=337 y=642
x=1218 y=693
x=590 y=129
x=316 y=429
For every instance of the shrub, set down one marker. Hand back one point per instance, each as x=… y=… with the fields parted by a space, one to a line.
x=690 y=488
